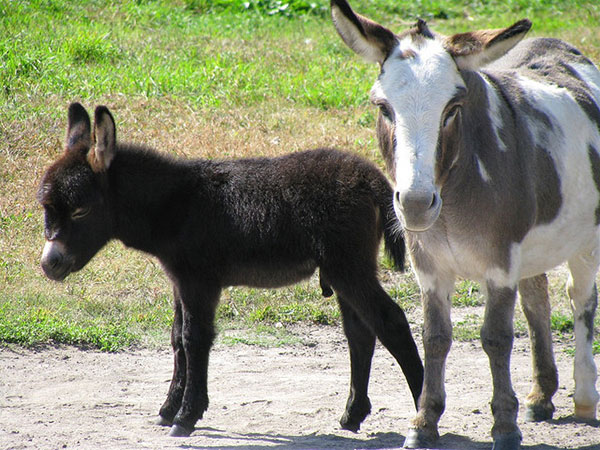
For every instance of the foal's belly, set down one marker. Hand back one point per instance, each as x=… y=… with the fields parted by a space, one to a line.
x=269 y=275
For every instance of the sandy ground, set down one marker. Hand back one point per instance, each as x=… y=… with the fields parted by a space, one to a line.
x=285 y=398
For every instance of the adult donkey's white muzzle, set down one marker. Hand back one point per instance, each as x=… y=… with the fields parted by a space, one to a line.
x=417 y=209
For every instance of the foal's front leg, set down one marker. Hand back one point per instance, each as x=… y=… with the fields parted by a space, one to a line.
x=198 y=305
x=175 y=394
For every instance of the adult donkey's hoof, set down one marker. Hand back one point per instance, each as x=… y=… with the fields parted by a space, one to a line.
x=508 y=441
x=419 y=439
x=585 y=413
x=180 y=431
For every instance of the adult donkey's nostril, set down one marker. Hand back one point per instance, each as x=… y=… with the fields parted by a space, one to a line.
x=434 y=200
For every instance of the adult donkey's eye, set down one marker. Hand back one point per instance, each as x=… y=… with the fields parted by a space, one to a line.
x=80 y=213
x=451 y=115
x=385 y=111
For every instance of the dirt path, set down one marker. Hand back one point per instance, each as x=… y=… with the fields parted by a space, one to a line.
x=284 y=398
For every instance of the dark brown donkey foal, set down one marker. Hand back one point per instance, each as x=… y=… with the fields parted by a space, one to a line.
x=264 y=222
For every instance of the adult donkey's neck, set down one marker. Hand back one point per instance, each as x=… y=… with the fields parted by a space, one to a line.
x=151 y=196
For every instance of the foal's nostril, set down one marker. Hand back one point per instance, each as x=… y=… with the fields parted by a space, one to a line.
x=55 y=260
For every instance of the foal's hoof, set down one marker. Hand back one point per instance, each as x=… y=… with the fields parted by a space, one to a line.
x=538 y=413
x=349 y=425
x=356 y=412
x=509 y=441
x=418 y=439
x=161 y=421
x=180 y=431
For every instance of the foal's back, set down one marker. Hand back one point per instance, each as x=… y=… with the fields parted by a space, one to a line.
x=273 y=221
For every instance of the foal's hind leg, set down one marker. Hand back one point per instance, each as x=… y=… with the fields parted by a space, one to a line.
x=582 y=292
x=175 y=394
x=536 y=306
x=361 y=343
x=387 y=320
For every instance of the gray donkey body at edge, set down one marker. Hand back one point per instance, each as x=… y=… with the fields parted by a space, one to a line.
x=493 y=143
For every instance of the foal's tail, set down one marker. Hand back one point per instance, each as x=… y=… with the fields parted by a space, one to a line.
x=393 y=236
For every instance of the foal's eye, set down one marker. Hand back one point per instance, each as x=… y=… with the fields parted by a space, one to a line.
x=451 y=115
x=80 y=213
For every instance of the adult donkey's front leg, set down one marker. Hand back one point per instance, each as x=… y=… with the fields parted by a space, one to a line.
x=198 y=305
x=437 y=339
x=497 y=340
x=175 y=394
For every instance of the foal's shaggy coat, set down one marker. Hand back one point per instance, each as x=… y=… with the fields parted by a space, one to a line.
x=264 y=222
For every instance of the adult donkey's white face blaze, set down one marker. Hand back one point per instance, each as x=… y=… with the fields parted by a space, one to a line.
x=419 y=92
x=418 y=81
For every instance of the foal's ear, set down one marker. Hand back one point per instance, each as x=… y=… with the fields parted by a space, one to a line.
x=78 y=129
x=105 y=140
x=367 y=38
x=475 y=49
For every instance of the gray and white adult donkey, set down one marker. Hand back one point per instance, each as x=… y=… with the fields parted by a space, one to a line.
x=494 y=147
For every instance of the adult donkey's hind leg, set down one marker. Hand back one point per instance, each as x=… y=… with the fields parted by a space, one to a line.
x=361 y=344
x=175 y=394
x=536 y=306
x=582 y=292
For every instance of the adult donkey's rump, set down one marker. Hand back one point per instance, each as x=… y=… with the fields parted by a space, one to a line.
x=263 y=222
x=494 y=146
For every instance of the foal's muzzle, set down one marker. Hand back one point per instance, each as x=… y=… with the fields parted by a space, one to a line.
x=55 y=262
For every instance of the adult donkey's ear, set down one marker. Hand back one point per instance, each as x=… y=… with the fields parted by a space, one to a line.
x=78 y=129
x=475 y=49
x=105 y=140
x=367 y=38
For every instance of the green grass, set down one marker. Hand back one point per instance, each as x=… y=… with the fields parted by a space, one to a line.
x=200 y=78
x=36 y=326
x=300 y=303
